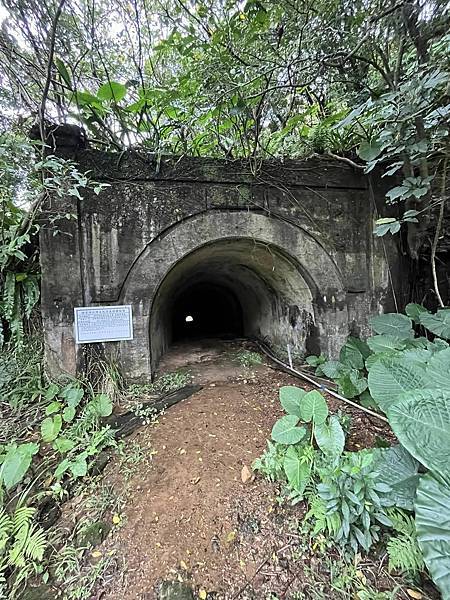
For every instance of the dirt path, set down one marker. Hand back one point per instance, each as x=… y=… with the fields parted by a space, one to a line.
x=189 y=515
x=178 y=518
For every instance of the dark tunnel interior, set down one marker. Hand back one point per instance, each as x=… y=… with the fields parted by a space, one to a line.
x=228 y=289
x=206 y=310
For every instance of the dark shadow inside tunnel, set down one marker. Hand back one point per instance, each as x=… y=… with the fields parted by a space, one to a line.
x=206 y=310
x=232 y=288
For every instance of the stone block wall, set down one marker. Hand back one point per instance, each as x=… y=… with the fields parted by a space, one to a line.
x=291 y=241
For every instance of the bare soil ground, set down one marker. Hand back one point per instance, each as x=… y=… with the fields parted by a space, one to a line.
x=193 y=512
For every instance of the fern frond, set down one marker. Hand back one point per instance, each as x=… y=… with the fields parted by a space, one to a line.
x=6 y=526
x=403 y=550
x=16 y=552
x=16 y=321
x=30 y=294
x=22 y=517
x=36 y=544
x=9 y=294
x=405 y=555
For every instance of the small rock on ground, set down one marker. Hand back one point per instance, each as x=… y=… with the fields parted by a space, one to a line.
x=175 y=590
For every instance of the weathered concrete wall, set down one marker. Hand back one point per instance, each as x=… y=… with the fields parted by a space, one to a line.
x=291 y=240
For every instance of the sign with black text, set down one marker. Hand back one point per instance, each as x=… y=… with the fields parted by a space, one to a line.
x=103 y=324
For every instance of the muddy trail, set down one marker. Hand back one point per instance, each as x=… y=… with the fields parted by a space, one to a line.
x=195 y=513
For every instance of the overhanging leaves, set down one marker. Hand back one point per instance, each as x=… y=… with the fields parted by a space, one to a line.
x=394 y=324
x=433 y=529
x=421 y=421
x=399 y=470
x=393 y=375
x=439 y=324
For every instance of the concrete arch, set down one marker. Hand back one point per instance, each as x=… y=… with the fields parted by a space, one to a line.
x=217 y=245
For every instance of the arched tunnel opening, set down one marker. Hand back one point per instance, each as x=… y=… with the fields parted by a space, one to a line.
x=233 y=287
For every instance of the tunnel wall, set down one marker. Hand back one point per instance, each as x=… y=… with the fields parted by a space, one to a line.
x=316 y=215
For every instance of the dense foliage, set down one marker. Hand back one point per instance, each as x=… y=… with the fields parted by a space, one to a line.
x=364 y=82
x=404 y=371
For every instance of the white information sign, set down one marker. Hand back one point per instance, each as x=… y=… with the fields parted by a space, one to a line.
x=103 y=324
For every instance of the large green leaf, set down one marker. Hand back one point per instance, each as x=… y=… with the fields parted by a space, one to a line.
x=314 y=408
x=373 y=358
x=437 y=345
x=290 y=398
x=414 y=311
x=353 y=353
x=351 y=384
x=72 y=395
x=286 y=431
x=384 y=343
x=50 y=427
x=433 y=529
x=78 y=467
x=438 y=369
x=392 y=324
x=102 y=405
x=16 y=463
x=421 y=421
x=369 y=150
x=399 y=470
x=333 y=368
x=297 y=471
x=439 y=323
x=330 y=437
x=391 y=376
x=416 y=355
x=112 y=90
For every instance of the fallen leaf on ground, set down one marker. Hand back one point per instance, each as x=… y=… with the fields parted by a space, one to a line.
x=414 y=594
x=231 y=537
x=245 y=474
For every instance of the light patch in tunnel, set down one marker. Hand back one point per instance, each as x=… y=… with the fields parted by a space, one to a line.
x=189 y=319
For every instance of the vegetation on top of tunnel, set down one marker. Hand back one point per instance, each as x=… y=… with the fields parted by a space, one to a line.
x=182 y=78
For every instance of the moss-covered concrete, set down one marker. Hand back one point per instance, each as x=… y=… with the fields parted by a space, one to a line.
x=291 y=240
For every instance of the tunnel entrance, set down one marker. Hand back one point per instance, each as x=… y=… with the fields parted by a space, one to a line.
x=206 y=310
x=233 y=287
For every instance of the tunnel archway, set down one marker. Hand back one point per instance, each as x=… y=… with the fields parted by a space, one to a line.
x=288 y=287
x=233 y=287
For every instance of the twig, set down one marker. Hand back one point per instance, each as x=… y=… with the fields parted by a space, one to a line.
x=48 y=80
x=247 y=583
x=349 y=161
x=437 y=233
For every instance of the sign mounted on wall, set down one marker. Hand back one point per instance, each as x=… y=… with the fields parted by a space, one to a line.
x=103 y=324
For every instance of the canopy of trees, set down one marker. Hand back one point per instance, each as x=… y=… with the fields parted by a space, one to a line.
x=365 y=81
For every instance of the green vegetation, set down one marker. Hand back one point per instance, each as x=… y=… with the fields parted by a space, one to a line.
x=366 y=83
x=52 y=438
x=404 y=487
x=167 y=382
x=248 y=359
